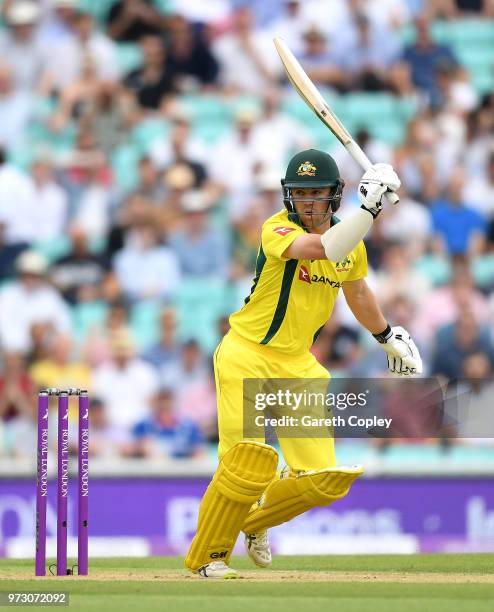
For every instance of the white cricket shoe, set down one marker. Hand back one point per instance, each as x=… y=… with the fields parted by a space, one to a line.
x=257 y=545
x=217 y=569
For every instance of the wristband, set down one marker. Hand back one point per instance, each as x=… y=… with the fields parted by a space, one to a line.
x=385 y=335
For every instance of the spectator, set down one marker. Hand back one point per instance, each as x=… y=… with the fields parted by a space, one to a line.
x=189 y=369
x=480 y=191
x=61 y=369
x=29 y=300
x=112 y=116
x=290 y=25
x=130 y=20
x=134 y=212
x=245 y=240
x=21 y=44
x=322 y=63
x=67 y=53
x=277 y=134
x=397 y=277
x=474 y=415
x=79 y=274
x=87 y=176
x=166 y=350
x=369 y=54
x=338 y=346
x=51 y=213
x=443 y=305
x=59 y=23
x=200 y=249
x=189 y=56
x=17 y=407
x=164 y=433
x=97 y=345
x=425 y=57
x=408 y=224
x=180 y=143
x=461 y=228
x=247 y=58
x=235 y=159
x=79 y=97
x=457 y=341
x=17 y=388
x=125 y=384
x=150 y=187
x=144 y=268
x=16 y=109
x=153 y=81
x=104 y=441
x=198 y=404
x=17 y=208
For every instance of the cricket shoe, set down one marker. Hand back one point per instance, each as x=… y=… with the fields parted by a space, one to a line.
x=257 y=545
x=217 y=569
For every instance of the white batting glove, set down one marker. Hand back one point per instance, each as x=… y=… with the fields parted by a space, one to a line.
x=403 y=355
x=377 y=180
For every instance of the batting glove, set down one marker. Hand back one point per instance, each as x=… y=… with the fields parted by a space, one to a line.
x=403 y=355
x=377 y=180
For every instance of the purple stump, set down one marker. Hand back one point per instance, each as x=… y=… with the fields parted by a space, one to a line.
x=63 y=482
x=83 y=485
x=42 y=483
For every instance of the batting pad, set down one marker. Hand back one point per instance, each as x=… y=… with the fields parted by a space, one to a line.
x=295 y=494
x=243 y=474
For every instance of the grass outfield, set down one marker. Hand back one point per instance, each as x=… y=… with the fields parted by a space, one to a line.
x=422 y=583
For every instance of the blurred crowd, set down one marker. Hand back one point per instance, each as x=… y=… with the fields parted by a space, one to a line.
x=141 y=147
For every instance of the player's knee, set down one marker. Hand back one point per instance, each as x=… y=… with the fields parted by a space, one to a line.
x=322 y=487
x=245 y=471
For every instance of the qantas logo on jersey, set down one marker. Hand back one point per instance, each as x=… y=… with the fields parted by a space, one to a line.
x=283 y=231
x=325 y=280
x=304 y=275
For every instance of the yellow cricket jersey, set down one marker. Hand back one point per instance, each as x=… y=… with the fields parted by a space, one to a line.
x=292 y=299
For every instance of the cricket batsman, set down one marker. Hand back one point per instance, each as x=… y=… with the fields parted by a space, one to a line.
x=306 y=254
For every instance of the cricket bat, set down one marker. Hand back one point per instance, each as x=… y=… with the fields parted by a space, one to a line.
x=314 y=100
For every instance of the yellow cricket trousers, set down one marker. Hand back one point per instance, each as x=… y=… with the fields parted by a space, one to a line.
x=235 y=359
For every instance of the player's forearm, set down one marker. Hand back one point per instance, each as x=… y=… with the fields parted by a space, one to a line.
x=363 y=304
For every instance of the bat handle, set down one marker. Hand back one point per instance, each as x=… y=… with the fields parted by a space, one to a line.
x=392 y=197
x=362 y=160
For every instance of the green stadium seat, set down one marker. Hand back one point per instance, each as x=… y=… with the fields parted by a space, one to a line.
x=200 y=303
x=144 y=322
x=87 y=316
x=434 y=268
x=129 y=57
x=474 y=32
x=482 y=269
x=125 y=161
x=474 y=57
x=165 y=6
x=54 y=248
x=98 y=8
x=483 y=80
x=146 y=132
x=392 y=131
x=369 y=106
x=206 y=107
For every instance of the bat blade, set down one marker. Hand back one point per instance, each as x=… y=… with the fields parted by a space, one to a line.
x=309 y=92
x=314 y=100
